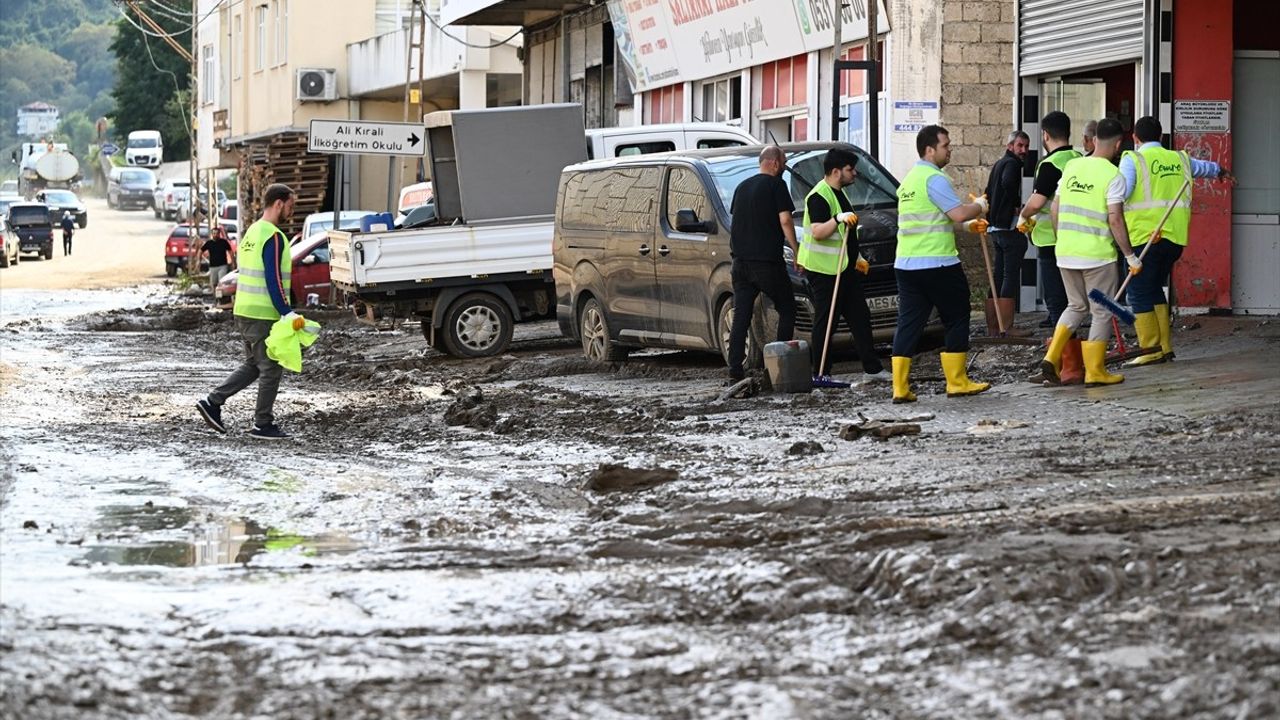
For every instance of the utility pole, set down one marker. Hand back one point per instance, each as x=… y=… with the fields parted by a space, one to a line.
x=835 y=67
x=873 y=77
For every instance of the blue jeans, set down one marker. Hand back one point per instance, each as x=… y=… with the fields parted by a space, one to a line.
x=1146 y=289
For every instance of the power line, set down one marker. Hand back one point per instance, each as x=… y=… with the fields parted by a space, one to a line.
x=490 y=46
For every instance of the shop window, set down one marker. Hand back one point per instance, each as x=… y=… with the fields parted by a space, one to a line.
x=664 y=105
x=785 y=83
x=800 y=128
x=854 y=82
x=1081 y=100
x=685 y=192
x=722 y=99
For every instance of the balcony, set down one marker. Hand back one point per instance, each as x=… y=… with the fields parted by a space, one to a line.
x=376 y=67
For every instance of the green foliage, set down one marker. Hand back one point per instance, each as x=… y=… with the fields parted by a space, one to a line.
x=55 y=51
x=151 y=84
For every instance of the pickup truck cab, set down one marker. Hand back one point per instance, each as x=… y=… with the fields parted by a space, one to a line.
x=641 y=249
x=168 y=196
x=32 y=225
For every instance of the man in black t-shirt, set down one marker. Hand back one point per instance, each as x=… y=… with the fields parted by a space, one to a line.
x=68 y=225
x=219 y=251
x=761 y=210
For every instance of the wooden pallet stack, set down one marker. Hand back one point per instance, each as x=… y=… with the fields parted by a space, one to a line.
x=284 y=159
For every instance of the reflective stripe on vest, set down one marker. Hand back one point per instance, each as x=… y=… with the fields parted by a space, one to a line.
x=1160 y=173
x=923 y=229
x=1082 y=209
x=823 y=256
x=253 y=299
x=1042 y=235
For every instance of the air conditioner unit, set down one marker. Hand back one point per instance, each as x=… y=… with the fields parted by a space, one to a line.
x=317 y=84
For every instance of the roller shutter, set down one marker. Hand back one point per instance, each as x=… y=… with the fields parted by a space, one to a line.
x=1061 y=35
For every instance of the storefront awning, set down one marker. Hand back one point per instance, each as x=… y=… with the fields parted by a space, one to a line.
x=522 y=13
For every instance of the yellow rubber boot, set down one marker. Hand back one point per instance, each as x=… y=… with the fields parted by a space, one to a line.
x=1095 y=364
x=902 y=380
x=958 y=382
x=1148 y=326
x=1166 y=331
x=1051 y=366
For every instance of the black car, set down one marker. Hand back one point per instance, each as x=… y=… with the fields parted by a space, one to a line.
x=61 y=202
x=34 y=228
x=131 y=188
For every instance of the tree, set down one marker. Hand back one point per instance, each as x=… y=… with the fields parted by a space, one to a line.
x=150 y=78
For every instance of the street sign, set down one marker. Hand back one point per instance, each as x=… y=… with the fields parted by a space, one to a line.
x=357 y=137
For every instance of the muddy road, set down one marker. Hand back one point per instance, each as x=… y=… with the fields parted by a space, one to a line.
x=532 y=536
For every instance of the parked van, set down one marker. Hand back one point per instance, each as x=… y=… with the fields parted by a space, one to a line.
x=641 y=249
x=646 y=139
x=144 y=148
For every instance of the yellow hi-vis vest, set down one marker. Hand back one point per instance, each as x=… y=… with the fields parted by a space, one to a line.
x=1082 y=209
x=252 y=299
x=823 y=256
x=923 y=229
x=1161 y=173
x=1042 y=234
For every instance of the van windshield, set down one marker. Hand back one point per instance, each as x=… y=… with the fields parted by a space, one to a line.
x=137 y=176
x=873 y=186
x=142 y=142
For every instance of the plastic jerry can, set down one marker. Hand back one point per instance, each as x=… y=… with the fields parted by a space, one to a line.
x=788 y=365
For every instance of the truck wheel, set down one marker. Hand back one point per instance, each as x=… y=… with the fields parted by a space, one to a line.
x=755 y=351
x=4 y=260
x=477 y=325
x=155 y=210
x=48 y=253
x=83 y=221
x=110 y=205
x=597 y=342
x=171 y=270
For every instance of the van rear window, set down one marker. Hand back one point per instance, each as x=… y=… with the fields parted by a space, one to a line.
x=28 y=215
x=645 y=148
x=713 y=143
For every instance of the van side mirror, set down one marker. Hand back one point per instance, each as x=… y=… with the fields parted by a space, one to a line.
x=687 y=221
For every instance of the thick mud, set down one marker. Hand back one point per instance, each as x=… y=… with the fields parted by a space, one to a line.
x=535 y=536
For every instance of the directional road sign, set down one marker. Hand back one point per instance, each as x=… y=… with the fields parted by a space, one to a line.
x=357 y=137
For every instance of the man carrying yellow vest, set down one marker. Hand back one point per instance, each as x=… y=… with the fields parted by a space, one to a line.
x=829 y=222
x=262 y=298
x=1088 y=213
x=928 y=269
x=1153 y=176
x=1055 y=138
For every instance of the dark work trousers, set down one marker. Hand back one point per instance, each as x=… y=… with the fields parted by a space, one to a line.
x=851 y=304
x=919 y=292
x=750 y=279
x=1146 y=289
x=66 y=242
x=256 y=366
x=1055 y=293
x=1010 y=247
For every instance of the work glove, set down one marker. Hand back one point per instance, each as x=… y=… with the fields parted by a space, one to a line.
x=296 y=321
x=978 y=226
x=1027 y=226
x=848 y=218
x=862 y=266
x=981 y=201
x=1135 y=265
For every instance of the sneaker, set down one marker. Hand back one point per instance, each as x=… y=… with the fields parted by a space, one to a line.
x=877 y=377
x=212 y=415
x=268 y=432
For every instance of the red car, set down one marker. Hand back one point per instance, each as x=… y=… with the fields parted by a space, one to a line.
x=310 y=273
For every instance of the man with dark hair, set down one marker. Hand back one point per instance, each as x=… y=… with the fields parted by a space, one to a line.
x=1055 y=137
x=262 y=298
x=1004 y=192
x=761 y=210
x=1153 y=175
x=829 y=225
x=928 y=266
x=1088 y=215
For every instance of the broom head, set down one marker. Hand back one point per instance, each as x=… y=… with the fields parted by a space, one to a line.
x=1112 y=306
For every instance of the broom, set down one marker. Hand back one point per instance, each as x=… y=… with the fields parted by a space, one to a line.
x=1114 y=307
x=820 y=380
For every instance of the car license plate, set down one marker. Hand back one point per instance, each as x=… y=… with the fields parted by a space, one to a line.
x=883 y=302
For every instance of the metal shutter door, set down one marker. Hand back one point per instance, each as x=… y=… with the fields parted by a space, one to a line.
x=1057 y=35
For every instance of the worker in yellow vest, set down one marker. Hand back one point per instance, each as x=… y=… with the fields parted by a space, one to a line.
x=829 y=223
x=1153 y=176
x=1055 y=138
x=262 y=298
x=1088 y=220
x=927 y=266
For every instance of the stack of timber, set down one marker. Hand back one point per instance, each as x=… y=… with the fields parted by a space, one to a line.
x=284 y=159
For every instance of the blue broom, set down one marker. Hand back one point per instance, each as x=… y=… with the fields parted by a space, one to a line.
x=1114 y=307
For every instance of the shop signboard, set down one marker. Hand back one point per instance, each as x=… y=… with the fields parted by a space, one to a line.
x=815 y=20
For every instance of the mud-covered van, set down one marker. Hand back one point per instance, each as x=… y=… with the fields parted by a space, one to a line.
x=641 y=248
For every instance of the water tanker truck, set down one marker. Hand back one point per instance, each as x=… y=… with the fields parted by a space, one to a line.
x=46 y=165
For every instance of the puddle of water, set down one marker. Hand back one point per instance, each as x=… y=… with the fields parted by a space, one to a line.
x=22 y=304
x=229 y=542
